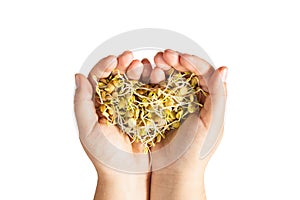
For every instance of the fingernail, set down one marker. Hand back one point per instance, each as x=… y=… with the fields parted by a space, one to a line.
x=224 y=74
x=157 y=75
x=136 y=69
x=173 y=53
x=145 y=61
x=77 y=81
x=170 y=50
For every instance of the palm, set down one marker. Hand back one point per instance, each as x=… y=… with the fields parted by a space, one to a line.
x=181 y=149
x=106 y=144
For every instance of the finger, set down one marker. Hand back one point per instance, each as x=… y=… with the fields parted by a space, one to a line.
x=172 y=58
x=135 y=70
x=102 y=69
x=214 y=106
x=198 y=66
x=85 y=113
x=124 y=61
x=160 y=62
x=157 y=75
x=146 y=71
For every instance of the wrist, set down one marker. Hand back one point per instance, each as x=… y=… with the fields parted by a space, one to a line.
x=122 y=177
x=119 y=185
x=169 y=185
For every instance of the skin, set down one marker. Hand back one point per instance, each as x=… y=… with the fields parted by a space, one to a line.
x=111 y=183
x=184 y=178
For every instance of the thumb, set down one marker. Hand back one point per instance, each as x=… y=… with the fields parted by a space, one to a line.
x=216 y=99
x=214 y=109
x=85 y=112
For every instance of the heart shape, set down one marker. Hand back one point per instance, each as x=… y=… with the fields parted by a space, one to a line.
x=145 y=112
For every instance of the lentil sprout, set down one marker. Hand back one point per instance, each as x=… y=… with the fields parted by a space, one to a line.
x=146 y=112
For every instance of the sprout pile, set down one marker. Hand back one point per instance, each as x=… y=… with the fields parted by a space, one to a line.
x=146 y=112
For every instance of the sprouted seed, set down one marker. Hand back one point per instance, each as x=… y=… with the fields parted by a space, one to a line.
x=146 y=112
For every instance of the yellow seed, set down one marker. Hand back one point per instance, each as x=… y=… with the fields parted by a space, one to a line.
x=122 y=112
x=117 y=76
x=148 y=123
x=141 y=91
x=194 y=81
x=161 y=122
x=169 y=102
x=142 y=132
x=150 y=94
x=109 y=88
x=132 y=98
x=115 y=82
x=156 y=118
x=183 y=91
x=149 y=115
x=173 y=115
x=149 y=107
x=103 y=94
x=110 y=111
x=103 y=80
x=100 y=84
x=191 y=108
x=102 y=108
x=158 y=138
x=108 y=97
x=179 y=98
x=167 y=112
x=179 y=114
x=127 y=129
x=145 y=102
x=131 y=122
x=130 y=113
x=122 y=103
x=176 y=124
x=152 y=144
x=114 y=94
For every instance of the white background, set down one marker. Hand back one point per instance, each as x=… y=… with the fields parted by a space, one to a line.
x=44 y=43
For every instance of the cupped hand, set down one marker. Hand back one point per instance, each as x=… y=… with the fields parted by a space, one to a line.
x=118 y=161
x=191 y=146
x=176 y=161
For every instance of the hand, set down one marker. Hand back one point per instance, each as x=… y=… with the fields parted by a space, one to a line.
x=106 y=144
x=183 y=179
